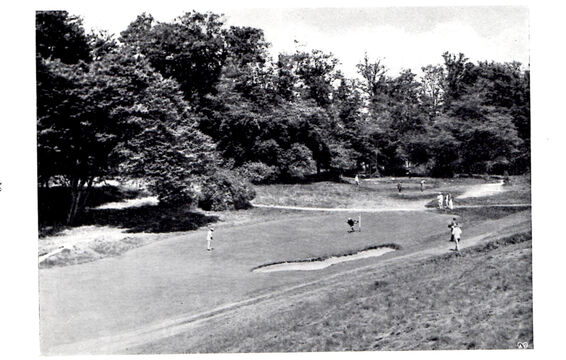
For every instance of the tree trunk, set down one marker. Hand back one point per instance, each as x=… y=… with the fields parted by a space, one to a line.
x=77 y=198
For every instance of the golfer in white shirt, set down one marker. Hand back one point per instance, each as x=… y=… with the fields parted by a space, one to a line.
x=457 y=233
x=209 y=239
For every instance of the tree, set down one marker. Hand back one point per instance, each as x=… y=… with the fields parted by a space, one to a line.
x=191 y=50
x=115 y=115
x=373 y=74
x=61 y=36
x=432 y=91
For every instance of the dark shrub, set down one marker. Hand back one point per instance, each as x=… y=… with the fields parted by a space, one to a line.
x=258 y=172
x=225 y=190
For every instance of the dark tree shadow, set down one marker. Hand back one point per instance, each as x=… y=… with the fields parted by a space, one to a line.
x=54 y=202
x=152 y=219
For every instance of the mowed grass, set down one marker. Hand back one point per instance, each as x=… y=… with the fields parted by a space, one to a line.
x=178 y=275
x=479 y=300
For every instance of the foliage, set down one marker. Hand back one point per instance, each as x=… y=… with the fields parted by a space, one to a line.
x=116 y=115
x=59 y=35
x=191 y=49
x=181 y=103
x=258 y=172
x=224 y=190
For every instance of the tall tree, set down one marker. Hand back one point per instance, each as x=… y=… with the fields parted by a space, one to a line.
x=191 y=50
x=432 y=89
x=92 y=120
x=59 y=35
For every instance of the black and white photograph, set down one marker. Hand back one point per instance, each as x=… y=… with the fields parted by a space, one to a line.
x=208 y=178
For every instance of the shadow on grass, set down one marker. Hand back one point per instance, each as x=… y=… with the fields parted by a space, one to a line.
x=54 y=202
x=152 y=219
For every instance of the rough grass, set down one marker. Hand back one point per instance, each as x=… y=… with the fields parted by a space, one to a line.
x=481 y=299
x=372 y=192
x=476 y=215
x=95 y=251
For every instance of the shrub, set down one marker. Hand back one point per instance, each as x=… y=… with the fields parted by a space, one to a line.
x=172 y=191
x=225 y=190
x=258 y=172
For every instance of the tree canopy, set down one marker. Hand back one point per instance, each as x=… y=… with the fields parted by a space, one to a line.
x=192 y=104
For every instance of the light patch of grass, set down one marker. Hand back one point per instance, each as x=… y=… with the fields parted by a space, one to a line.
x=96 y=250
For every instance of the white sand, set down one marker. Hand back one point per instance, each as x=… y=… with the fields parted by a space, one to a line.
x=321 y=264
x=482 y=190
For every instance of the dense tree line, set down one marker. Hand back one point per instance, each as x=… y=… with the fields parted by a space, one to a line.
x=198 y=108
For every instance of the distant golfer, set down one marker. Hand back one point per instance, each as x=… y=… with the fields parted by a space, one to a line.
x=450 y=202
x=357 y=180
x=440 y=199
x=351 y=223
x=422 y=185
x=451 y=226
x=209 y=238
x=457 y=233
x=399 y=187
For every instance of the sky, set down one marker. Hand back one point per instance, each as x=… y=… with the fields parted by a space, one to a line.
x=403 y=37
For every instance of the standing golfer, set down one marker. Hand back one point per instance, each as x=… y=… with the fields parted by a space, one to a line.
x=399 y=187
x=457 y=233
x=450 y=202
x=357 y=181
x=440 y=199
x=209 y=238
x=451 y=226
x=422 y=185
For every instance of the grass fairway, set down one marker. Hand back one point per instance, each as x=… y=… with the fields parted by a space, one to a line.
x=479 y=300
x=178 y=276
x=171 y=295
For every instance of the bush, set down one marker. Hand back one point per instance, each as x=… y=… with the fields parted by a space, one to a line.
x=174 y=192
x=225 y=190
x=258 y=172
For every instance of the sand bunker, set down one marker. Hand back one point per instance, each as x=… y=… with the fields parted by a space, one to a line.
x=306 y=265
x=482 y=190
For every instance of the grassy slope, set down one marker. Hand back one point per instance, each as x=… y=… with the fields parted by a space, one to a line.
x=480 y=300
x=382 y=191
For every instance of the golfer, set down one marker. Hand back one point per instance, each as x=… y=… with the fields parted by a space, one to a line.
x=351 y=223
x=440 y=199
x=422 y=185
x=457 y=233
x=209 y=238
x=357 y=180
x=399 y=187
x=451 y=226
x=450 y=202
